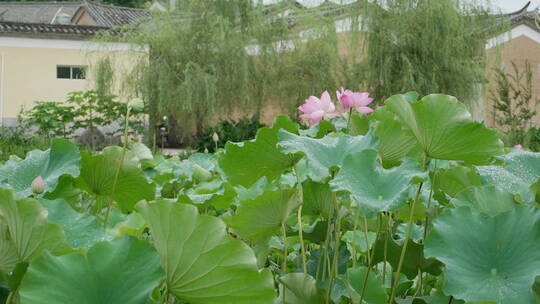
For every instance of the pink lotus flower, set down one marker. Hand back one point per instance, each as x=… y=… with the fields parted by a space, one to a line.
x=343 y=97
x=356 y=100
x=316 y=109
x=518 y=146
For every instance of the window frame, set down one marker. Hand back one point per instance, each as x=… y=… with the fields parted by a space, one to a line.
x=82 y=68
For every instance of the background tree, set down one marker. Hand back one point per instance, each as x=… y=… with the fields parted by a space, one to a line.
x=213 y=59
x=426 y=46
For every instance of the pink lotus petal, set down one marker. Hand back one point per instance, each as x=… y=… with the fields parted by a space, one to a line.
x=316 y=109
x=518 y=146
x=326 y=101
x=347 y=102
x=316 y=117
x=364 y=110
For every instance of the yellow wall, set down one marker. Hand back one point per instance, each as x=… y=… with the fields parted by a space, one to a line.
x=29 y=71
x=519 y=50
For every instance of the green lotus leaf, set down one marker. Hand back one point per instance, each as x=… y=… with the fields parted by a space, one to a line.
x=375 y=292
x=396 y=141
x=316 y=261
x=357 y=239
x=327 y=153
x=374 y=188
x=28 y=231
x=488 y=258
x=317 y=198
x=319 y=130
x=142 y=154
x=359 y=124
x=299 y=288
x=485 y=199
x=245 y=163
x=122 y=271
x=8 y=254
x=82 y=230
x=97 y=177
x=62 y=158
x=414 y=257
x=453 y=180
x=445 y=130
x=66 y=190
x=260 y=218
x=521 y=171
x=204 y=265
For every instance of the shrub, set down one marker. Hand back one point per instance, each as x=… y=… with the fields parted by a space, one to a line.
x=15 y=141
x=234 y=131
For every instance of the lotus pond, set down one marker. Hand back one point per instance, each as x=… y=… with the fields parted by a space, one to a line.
x=412 y=203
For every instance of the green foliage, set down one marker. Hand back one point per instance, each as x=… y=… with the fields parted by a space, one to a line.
x=209 y=268
x=426 y=46
x=122 y=271
x=82 y=110
x=513 y=102
x=61 y=159
x=374 y=189
x=15 y=142
x=250 y=224
x=488 y=258
x=233 y=131
x=444 y=128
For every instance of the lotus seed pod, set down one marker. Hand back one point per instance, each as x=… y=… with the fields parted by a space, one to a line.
x=38 y=185
x=215 y=137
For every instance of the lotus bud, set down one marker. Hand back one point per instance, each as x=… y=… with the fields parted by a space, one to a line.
x=518 y=146
x=215 y=137
x=136 y=104
x=38 y=185
x=206 y=150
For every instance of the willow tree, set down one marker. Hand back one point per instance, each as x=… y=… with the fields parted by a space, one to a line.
x=427 y=46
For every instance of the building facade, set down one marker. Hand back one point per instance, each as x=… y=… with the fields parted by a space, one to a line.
x=46 y=50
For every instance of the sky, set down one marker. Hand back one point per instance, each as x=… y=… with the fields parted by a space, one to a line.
x=505 y=5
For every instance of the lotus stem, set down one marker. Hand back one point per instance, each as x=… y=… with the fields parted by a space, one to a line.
x=354 y=238
x=426 y=223
x=370 y=263
x=366 y=236
x=301 y=236
x=349 y=119
x=405 y=242
x=337 y=237
x=285 y=249
x=300 y=225
x=385 y=253
x=118 y=168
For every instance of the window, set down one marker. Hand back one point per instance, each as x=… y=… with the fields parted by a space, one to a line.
x=70 y=72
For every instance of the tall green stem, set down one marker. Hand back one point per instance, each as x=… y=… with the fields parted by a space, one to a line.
x=355 y=257
x=349 y=119
x=285 y=249
x=385 y=253
x=118 y=168
x=370 y=263
x=405 y=242
x=366 y=236
x=300 y=225
x=426 y=223
x=335 y=255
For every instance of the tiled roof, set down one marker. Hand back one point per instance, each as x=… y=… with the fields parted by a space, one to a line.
x=36 y=12
x=110 y=15
x=61 y=29
x=47 y=12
